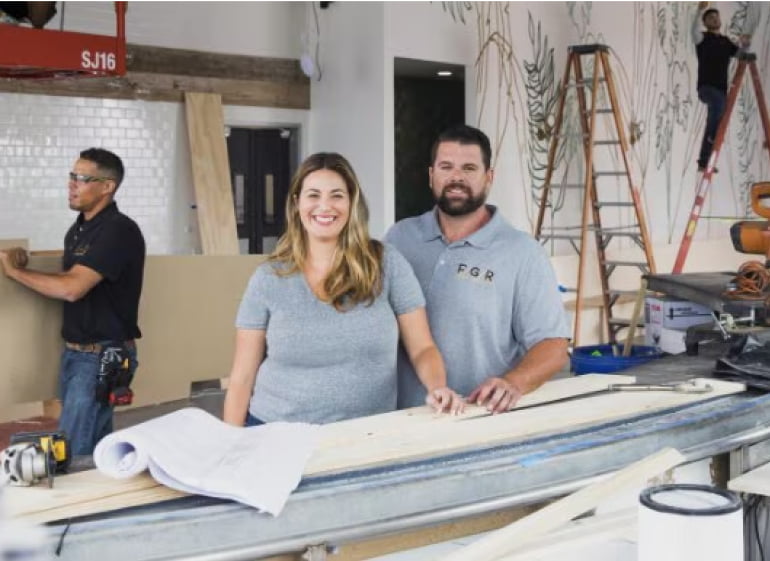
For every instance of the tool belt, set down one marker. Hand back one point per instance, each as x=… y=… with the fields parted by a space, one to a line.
x=115 y=375
x=96 y=348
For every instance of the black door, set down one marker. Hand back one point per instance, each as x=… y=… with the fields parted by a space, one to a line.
x=260 y=170
x=425 y=103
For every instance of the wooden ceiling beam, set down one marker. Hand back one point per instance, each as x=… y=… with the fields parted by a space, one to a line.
x=162 y=74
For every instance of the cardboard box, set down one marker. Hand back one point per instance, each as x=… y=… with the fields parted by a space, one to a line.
x=673 y=315
x=671 y=341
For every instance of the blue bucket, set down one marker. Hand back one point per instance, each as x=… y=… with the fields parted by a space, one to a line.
x=600 y=358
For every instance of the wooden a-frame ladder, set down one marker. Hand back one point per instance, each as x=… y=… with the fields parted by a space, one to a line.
x=600 y=189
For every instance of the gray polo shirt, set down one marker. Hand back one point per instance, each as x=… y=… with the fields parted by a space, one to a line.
x=322 y=365
x=490 y=297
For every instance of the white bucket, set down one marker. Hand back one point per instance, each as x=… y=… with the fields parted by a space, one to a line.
x=682 y=522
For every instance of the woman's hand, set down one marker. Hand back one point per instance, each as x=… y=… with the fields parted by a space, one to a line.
x=445 y=400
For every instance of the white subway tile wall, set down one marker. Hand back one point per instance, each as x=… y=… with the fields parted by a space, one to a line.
x=40 y=138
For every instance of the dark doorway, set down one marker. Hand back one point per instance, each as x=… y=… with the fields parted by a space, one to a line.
x=261 y=164
x=425 y=103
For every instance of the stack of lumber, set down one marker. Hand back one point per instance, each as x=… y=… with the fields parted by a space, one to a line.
x=386 y=439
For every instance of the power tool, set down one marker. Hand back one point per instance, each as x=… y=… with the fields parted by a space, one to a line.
x=753 y=236
x=33 y=456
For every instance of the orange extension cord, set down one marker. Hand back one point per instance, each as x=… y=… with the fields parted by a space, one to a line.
x=751 y=282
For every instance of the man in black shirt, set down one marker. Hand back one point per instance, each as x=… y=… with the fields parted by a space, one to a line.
x=714 y=52
x=101 y=282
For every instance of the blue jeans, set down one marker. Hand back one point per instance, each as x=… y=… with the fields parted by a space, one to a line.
x=83 y=419
x=715 y=101
x=252 y=421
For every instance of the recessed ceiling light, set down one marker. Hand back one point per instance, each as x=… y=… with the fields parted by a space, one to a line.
x=444 y=72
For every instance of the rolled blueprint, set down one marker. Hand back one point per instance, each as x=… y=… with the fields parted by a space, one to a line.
x=193 y=451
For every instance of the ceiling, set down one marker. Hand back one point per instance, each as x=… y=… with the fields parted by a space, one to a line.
x=413 y=68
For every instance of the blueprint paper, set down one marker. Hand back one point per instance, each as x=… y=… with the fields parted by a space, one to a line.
x=193 y=451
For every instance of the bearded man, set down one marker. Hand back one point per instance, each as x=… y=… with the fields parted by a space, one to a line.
x=493 y=303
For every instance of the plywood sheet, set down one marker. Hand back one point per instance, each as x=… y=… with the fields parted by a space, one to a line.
x=30 y=340
x=186 y=314
x=187 y=317
x=211 y=174
x=19 y=242
x=395 y=437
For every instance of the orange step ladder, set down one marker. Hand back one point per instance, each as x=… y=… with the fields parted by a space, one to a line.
x=745 y=60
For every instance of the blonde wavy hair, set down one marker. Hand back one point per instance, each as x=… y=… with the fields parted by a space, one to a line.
x=356 y=273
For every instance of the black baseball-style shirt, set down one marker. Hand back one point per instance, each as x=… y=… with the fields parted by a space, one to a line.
x=112 y=245
x=714 y=53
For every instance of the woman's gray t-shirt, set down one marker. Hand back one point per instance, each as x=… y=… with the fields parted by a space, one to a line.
x=322 y=365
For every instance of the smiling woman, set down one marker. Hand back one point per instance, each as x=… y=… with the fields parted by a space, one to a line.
x=319 y=324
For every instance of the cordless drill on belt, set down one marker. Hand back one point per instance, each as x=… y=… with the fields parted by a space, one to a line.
x=114 y=379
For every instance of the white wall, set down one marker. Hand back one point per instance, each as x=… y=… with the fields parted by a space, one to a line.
x=352 y=104
x=420 y=30
x=348 y=102
x=271 y=29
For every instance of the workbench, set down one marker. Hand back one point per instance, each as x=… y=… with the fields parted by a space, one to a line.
x=707 y=289
x=363 y=504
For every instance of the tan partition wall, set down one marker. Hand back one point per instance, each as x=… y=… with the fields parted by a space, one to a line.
x=187 y=316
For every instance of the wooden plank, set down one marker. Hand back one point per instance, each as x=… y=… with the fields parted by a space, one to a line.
x=211 y=174
x=87 y=485
x=169 y=87
x=354 y=430
x=507 y=539
x=620 y=525
x=419 y=435
x=456 y=434
x=163 y=60
x=596 y=302
x=756 y=481
x=162 y=74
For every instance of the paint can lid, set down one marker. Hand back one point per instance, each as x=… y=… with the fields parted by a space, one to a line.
x=690 y=499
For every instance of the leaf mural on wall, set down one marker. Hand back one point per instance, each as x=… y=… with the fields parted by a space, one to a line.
x=542 y=95
x=743 y=115
x=457 y=10
x=580 y=16
x=496 y=53
x=673 y=107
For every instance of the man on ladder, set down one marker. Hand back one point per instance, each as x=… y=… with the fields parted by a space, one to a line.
x=713 y=141
x=714 y=52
